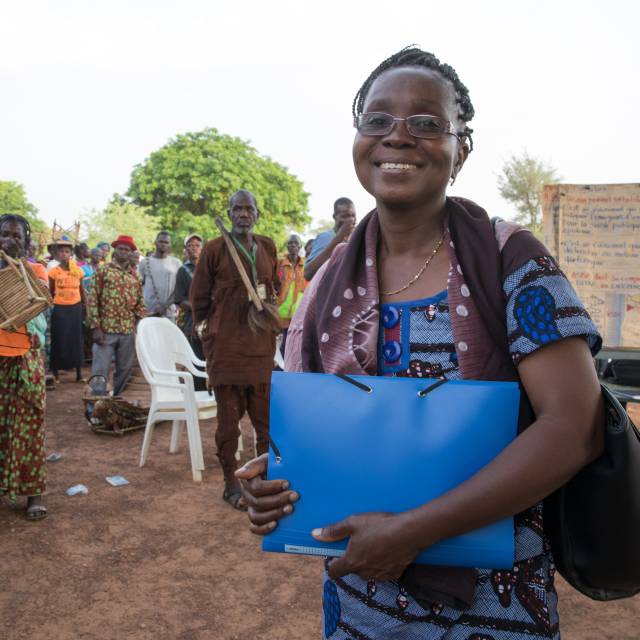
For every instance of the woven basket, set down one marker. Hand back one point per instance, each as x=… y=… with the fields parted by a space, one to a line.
x=22 y=295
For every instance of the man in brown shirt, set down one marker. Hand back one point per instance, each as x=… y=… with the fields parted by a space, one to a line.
x=239 y=362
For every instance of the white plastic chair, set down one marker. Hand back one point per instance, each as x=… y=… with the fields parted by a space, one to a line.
x=277 y=356
x=160 y=346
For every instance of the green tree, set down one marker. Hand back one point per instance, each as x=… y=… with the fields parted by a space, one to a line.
x=13 y=199
x=521 y=183
x=316 y=228
x=120 y=217
x=189 y=180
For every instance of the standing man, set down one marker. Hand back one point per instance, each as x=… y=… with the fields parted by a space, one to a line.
x=239 y=362
x=115 y=306
x=158 y=276
x=293 y=284
x=344 y=216
x=193 y=249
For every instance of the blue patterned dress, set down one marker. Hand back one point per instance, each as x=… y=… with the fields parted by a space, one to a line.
x=518 y=603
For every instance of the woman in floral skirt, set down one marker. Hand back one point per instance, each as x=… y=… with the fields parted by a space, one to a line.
x=22 y=390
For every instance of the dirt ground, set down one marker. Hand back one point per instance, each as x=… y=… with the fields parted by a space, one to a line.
x=165 y=558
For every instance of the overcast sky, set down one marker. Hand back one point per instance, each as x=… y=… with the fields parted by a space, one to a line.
x=89 y=89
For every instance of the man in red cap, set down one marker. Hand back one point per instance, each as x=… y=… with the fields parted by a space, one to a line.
x=114 y=308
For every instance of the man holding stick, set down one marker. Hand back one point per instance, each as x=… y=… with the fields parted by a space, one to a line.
x=239 y=358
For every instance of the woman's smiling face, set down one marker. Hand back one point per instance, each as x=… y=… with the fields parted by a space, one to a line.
x=399 y=169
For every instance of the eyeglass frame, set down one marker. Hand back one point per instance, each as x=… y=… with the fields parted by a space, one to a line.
x=450 y=128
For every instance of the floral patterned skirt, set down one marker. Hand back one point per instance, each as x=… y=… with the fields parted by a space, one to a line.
x=22 y=403
x=515 y=604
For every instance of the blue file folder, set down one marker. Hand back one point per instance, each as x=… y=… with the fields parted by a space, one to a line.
x=347 y=451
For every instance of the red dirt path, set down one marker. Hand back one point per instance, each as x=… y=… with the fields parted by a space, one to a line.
x=166 y=559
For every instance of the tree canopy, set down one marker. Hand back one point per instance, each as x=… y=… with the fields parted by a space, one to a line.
x=521 y=183
x=318 y=227
x=189 y=181
x=13 y=199
x=120 y=217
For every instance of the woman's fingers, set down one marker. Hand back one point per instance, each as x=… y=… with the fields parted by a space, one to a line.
x=251 y=477
x=264 y=513
x=333 y=532
x=259 y=488
x=270 y=501
x=264 y=529
x=264 y=517
x=254 y=468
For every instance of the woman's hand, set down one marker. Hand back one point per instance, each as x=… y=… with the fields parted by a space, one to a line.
x=378 y=547
x=268 y=500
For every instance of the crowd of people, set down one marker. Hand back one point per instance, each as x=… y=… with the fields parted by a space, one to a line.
x=100 y=294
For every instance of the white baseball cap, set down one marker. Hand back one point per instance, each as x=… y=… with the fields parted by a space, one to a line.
x=191 y=236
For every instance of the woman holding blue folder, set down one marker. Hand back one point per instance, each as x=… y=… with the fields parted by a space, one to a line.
x=428 y=287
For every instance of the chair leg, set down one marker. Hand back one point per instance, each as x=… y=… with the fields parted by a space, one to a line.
x=146 y=441
x=176 y=430
x=195 y=446
x=240 y=444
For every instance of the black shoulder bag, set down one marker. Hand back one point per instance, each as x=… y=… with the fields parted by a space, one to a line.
x=593 y=521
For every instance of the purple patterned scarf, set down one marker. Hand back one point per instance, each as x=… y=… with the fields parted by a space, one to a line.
x=341 y=323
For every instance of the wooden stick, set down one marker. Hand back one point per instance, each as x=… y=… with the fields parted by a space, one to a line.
x=238 y=262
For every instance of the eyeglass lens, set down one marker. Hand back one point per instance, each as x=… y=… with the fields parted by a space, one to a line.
x=421 y=126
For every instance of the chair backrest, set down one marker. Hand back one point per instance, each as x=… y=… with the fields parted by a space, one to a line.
x=161 y=345
x=277 y=358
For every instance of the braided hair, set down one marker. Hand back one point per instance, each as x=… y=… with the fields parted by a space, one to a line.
x=412 y=56
x=23 y=222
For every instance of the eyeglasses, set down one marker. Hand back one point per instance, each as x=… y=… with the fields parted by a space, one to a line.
x=423 y=125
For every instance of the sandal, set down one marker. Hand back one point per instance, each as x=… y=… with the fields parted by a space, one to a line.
x=234 y=497
x=36 y=512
